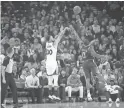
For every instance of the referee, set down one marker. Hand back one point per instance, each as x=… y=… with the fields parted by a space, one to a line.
x=8 y=79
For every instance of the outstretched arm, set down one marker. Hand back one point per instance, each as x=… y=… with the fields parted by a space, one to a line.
x=75 y=33
x=78 y=38
x=92 y=42
x=94 y=54
x=59 y=37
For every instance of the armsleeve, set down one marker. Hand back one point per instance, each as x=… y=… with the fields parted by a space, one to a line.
x=6 y=61
x=68 y=81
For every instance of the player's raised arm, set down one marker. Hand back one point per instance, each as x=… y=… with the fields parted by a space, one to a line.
x=92 y=42
x=75 y=33
x=94 y=54
x=60 y=35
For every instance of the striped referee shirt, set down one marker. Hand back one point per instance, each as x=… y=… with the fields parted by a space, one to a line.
x=8 y=63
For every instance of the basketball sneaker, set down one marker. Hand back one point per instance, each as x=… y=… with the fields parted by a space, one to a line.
x=117 y=100
x=50 y=97
x=55 y=98
x=110 y=105
x=117 y=105
x=110 y=100
x=89 y=98
x=2 y=106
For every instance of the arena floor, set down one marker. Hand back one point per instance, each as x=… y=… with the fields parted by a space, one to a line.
x=73 y=105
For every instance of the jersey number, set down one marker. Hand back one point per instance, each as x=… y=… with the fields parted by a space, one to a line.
x=49 y=52
x=84 y=54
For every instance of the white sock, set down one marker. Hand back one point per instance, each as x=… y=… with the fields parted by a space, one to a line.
x=110 y=99
x=117 y=99
x=88 y=93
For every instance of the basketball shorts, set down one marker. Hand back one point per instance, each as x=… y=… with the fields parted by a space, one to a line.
x=90 y=66
x=51 y=67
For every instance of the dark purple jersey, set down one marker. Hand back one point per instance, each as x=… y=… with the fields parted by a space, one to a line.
x=86 y=54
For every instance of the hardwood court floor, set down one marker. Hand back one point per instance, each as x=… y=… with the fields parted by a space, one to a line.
x=72 y=105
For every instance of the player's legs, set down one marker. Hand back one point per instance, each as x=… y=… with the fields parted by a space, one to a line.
x=50 y=80
x=94 y=69
x=55 y=84
x=50 y=68
x=50 y=83
x=87 y=69
x=55 y=77
x=53 y=80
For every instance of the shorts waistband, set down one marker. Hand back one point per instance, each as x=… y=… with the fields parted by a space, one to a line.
x=89 y=60
x=6 y=73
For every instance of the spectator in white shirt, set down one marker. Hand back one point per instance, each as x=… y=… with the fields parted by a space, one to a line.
x=113 y=91
x=32 y=83
x=25 y=73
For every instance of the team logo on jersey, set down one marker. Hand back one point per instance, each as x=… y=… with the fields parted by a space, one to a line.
x=49 y=45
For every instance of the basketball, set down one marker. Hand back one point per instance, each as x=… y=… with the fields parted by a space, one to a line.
x=43 y=40
x=76 y=10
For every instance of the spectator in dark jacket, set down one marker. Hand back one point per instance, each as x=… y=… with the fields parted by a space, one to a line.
x=62 y=81
x=43 y=85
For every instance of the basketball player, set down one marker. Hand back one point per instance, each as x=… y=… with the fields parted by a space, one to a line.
x=2 y=56
x=51 y=64
x=88 y=54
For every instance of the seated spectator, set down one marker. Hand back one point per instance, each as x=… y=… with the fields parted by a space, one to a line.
x=74 y=84
x=113 y=91
x=43 y=81
x=62 y=81
x=32 y=84
x=25 y=73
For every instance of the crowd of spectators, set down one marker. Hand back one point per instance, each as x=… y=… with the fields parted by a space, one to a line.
x=26 y=26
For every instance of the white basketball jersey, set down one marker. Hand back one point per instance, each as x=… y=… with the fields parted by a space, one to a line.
x=51 y=52
x=1 y=59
